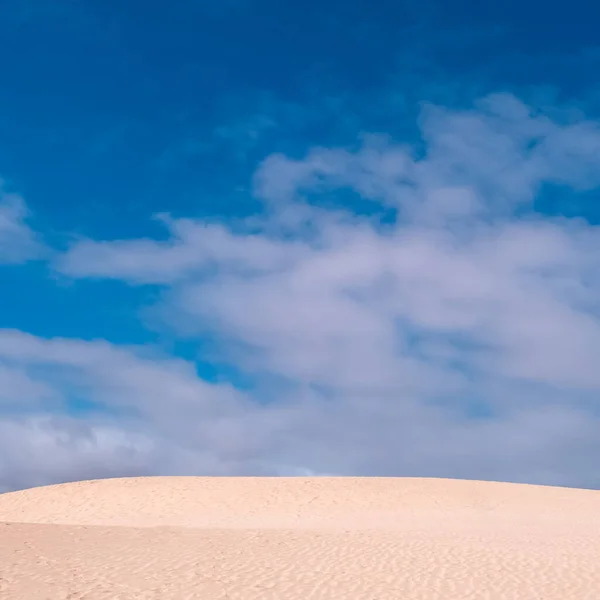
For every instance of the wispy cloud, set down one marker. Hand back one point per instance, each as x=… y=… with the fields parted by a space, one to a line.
x=18 y=241
x=459 y=340
x=141 y=413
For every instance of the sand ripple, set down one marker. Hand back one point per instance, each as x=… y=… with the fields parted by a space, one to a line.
x=297 y=539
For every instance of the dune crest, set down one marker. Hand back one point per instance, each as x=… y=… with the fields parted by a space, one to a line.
x=290 y=502
x=299 y=538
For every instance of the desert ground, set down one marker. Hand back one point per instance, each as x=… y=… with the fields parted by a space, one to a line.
x=299 y=539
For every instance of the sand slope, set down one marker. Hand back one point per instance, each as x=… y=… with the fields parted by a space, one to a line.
x=297 y=539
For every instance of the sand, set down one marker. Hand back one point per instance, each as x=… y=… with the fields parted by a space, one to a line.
x=299 y=539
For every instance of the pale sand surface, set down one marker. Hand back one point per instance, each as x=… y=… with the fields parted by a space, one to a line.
x=299 y=539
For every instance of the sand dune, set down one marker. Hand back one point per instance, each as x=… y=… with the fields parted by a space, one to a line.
x=299 y=539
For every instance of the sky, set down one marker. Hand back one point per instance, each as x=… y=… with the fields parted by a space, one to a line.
x=320 y=238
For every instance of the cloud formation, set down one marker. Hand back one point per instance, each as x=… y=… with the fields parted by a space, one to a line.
x=458 y=338
x=18 y=241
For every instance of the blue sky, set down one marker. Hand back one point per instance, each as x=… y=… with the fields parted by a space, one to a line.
x=333 y=237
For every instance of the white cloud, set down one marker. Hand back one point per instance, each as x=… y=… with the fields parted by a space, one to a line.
x=151 y=413
x=41 y=450
x=374 y=347
x=18 y=242
x=133 y=381
x=193 y=249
